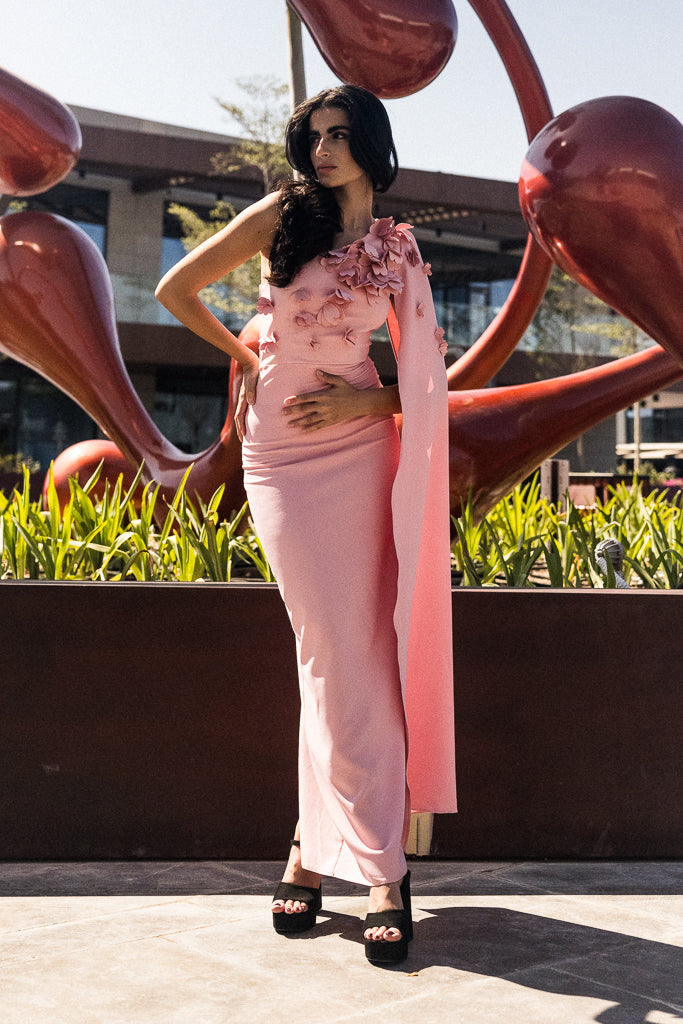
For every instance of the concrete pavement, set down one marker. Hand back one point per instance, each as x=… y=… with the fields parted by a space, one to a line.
x=191 y=943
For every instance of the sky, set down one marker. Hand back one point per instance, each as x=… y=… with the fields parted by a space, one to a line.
x=167 y=61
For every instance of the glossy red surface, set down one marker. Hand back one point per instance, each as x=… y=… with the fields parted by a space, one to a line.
x=56 y=305
x=602 y=191
x=390 y=47
x=40 y=139
x=81 y=460
x=498 y=436
x=525 y=78
x=601 y=186
x=57 y=316
x=490 y=352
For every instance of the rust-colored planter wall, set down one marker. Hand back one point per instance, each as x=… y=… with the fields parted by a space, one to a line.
x=160 y=721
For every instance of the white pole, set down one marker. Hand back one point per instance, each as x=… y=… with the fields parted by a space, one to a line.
x=636 y=439
x=297 y=74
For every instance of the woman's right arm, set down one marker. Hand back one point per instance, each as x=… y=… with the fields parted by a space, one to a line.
x=250 y=232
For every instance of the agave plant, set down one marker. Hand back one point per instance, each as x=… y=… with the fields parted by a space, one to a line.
x=524 y=541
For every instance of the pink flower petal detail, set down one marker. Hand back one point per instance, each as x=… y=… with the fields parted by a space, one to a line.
x=304 y=319
x=302 y=295
x=314 y=343
x=427 y=269
x=374 y=248
x=382 y=227
x=420 y=311
x=329 y=314
x=264 y=305
x=372 y=263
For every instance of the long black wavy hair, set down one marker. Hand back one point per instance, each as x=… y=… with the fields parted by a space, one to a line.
x=309 y=216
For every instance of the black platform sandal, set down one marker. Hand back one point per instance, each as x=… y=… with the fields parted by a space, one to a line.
x=381 y=951
x=292 y=924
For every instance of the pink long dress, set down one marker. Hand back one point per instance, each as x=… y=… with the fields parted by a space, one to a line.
x=355 y=525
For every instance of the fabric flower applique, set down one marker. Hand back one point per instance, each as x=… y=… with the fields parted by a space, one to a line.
x=350 y=336
x=304 y=319
x=264 y=305
x=372 y=262
x=314 y=343
x=332 y=310
x=268 y=344
x=427 y=269
x=420 y=310
x=302 y=295
x=383 y=228
x=441 y=341
x=341 y=260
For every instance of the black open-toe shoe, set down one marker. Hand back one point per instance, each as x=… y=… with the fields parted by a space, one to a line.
x=292 y=924
x=381 y=951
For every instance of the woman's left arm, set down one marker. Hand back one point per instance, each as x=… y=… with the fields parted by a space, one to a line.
x=338 y=400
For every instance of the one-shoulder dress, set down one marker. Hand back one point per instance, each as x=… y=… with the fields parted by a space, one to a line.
x=355 y=524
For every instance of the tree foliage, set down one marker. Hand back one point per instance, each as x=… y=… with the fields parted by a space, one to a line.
x=571 y=321
x=236 y=292
x=262 y=122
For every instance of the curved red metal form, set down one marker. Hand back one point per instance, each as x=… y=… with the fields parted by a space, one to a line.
x=220 y=464
x=81 y=460
x=498 y=436
x=602 y=191
x=40 y=139
x=56 y=303
x=57 y=316
x=390 y=47
x=483 y=359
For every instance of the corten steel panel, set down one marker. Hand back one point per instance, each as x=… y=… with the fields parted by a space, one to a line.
x=160 y=721
x=569 y=733
x=145 y=720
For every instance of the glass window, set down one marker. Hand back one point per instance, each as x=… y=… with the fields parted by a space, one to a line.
x=86 y=207
x=656 y=424
x=36 y=418
x=466 y=309
x=172 y=250
x=190 y=405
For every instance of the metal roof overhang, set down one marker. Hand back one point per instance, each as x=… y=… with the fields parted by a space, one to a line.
x=481 y=213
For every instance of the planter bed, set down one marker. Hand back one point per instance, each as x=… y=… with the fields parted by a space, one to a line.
x=149 y=720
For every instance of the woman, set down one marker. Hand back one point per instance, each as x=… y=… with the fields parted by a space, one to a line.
x=355 y=525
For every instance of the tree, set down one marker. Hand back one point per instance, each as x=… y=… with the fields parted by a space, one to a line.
x=236 y=292
x=572 y=321
x=262 y=122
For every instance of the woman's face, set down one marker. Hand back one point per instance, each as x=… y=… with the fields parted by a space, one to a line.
x=329 y=132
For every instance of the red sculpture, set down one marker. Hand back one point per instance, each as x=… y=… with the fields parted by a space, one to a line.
x=498 y=436
x=600 y=188
x=602 y=191
x=40 y=139
x=57 y=316
x=390 y=47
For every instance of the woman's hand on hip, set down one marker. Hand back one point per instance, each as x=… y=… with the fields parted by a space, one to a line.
x=335 y=402
x=247 y=395
x=338 y=401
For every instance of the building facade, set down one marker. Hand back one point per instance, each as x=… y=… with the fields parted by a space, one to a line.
x=121 y=192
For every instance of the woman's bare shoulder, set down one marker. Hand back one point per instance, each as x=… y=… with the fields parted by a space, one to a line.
x=251 y=231
x=259 y=220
